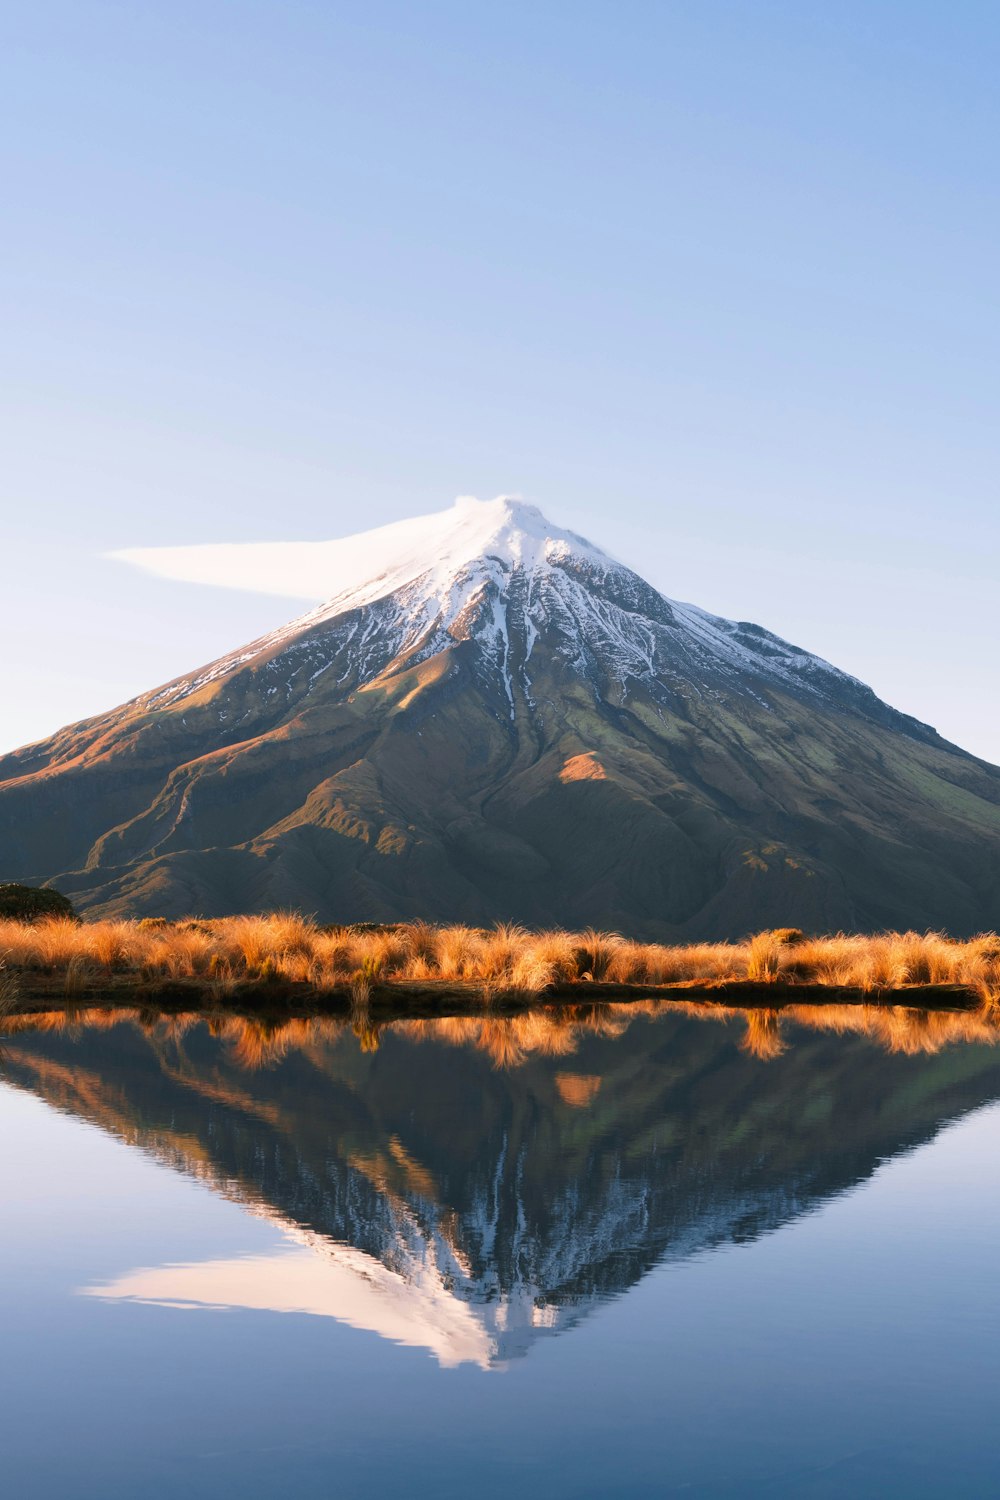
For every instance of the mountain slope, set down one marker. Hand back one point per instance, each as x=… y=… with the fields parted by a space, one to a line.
x=490 y=718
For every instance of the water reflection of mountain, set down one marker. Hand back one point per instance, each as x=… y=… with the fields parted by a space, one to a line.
x=481 y=1208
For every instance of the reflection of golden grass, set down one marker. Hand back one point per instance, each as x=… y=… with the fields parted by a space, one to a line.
x=763 y=1037
x=899 y=1029
x=544 y=1032
x=288 y=949
x=577 y=1089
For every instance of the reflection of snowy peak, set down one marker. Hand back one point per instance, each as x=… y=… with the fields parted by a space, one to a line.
x=428 y=1197
x=421 y=1290
x=324 y=1279
x=490 y=718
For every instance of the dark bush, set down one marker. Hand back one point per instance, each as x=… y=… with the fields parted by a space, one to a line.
x=363 y=927
x=29 y=903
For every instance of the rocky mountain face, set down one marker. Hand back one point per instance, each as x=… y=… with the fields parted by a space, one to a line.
x=492 y=719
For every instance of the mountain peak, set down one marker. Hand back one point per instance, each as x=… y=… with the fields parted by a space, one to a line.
x=481 y=569
x=510 y=516
x=499 y=574
x=440 y=547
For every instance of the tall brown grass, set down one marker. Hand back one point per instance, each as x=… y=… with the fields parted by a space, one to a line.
x=289 y=949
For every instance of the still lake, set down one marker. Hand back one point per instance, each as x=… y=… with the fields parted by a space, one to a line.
x=641 y=1254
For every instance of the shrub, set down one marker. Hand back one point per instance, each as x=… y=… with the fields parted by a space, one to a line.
x=30 y=903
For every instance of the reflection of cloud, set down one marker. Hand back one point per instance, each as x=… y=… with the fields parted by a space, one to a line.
x=423 y=1293
x=327 y=1281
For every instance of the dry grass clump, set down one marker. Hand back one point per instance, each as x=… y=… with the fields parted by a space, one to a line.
x=765 y=958
x=287 y=949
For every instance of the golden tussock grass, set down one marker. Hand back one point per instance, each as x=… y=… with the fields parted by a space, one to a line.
x=285 y=948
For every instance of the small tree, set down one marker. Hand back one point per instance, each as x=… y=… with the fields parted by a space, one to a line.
x=29 y=903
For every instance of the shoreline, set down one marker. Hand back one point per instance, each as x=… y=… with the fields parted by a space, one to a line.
x=430 y=998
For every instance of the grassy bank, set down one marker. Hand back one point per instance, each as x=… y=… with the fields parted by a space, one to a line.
x=287 y=955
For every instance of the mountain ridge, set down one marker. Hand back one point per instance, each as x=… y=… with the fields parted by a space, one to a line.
x=503 y=721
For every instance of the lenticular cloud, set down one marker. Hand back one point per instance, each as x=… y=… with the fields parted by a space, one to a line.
x=319 y=570
x=292 y=569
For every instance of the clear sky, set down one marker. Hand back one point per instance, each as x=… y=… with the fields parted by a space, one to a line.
x=715 y=284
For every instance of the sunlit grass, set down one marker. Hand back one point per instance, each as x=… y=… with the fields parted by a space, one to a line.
x=287 y=949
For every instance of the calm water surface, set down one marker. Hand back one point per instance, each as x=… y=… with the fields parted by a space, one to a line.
x=632 y=1257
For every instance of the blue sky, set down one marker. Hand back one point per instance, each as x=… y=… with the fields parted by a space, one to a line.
x=715 y=284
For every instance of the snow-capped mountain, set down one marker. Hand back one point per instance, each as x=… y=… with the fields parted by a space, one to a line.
x=488 y=716
x=499 y=574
